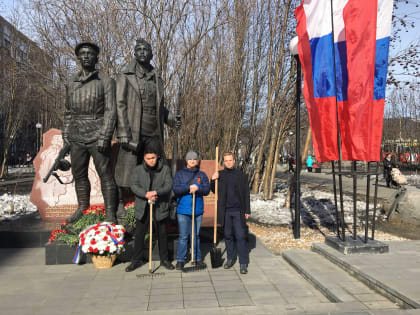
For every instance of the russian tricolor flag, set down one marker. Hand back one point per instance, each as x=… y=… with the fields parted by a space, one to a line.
x=362 y=30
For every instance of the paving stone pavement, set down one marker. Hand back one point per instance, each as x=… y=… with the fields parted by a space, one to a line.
x=272 y=286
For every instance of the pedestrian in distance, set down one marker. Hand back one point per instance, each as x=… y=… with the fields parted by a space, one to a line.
x=389 y=164
x=188 y=181
x=291 y=161
x=233 y=208
x=151 y=181
x=309 y=163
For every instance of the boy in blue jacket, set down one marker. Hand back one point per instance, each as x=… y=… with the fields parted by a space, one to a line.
x=186 y=182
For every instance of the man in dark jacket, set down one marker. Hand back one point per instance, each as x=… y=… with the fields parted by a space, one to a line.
x=291 y=161
x=89 y=122
x=151 y=181
x=188 y=181
x=389 y=164
x=233 y=208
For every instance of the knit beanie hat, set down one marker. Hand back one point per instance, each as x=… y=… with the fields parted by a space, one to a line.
x=191 y=155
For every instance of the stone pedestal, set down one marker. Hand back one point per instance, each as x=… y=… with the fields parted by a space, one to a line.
x=356 y=246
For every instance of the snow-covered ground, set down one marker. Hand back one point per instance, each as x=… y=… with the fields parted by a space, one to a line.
x=14 y=207
x=317 y=208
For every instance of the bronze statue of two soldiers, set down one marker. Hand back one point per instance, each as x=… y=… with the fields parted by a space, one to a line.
x=95 y=105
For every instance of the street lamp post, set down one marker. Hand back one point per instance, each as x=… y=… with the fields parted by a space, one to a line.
x=294 y=52
x=38 y=131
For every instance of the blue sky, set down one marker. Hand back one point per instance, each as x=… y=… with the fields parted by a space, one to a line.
x=411 y=8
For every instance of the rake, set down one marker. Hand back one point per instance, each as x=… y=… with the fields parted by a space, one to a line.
x=152 y=272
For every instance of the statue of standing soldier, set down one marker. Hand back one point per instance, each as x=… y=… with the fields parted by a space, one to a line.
x=89 y=123
x=141 y=113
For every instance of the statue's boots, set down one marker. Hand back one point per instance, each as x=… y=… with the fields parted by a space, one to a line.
x=110 y=195
x=83 y=199
x=121 y=213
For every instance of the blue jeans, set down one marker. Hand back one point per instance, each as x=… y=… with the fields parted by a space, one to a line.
x=185 y=229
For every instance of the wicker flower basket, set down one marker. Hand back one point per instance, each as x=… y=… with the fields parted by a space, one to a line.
x=103 y=262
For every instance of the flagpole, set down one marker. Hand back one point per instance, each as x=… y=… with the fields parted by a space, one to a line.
x=340 y=179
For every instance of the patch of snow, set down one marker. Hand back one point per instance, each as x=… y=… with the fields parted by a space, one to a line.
x=317 y=208
x=20 y=205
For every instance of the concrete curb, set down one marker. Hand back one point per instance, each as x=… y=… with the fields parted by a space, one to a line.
x=318 y=285
x=372 y=283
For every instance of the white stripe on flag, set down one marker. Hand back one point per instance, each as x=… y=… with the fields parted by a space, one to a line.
x=383 y=27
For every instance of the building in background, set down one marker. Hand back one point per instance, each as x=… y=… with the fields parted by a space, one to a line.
x=26 y=94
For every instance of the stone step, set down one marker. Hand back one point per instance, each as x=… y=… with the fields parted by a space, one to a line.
x=336 y=284
x=393 y=292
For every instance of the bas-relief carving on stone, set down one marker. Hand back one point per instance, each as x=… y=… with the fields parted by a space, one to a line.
x=50 y=196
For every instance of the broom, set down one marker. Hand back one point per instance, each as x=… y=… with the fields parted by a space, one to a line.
x=152 y=272
x=216 y=253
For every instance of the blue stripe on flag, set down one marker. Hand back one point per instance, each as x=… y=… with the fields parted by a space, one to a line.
x=341 y=69
x=381 y=67
x=323 y=72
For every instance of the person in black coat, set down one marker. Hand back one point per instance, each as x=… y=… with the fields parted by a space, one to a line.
x=290 y=161
x=233 y=207
x=388 y=166
x=151 y=181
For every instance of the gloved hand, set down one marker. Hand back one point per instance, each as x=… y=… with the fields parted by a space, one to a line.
x=103 y=145
x=124 y=141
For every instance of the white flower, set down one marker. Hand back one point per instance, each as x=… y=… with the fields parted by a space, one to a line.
x=101 y=236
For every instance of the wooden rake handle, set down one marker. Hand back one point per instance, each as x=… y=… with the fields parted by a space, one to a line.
x=150 y=234
x=216 y=186
x=192 y=229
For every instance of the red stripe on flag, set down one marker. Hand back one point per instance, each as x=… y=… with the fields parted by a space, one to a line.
x=322 y=111
x=359 y=117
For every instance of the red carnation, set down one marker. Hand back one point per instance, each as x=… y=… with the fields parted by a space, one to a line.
x=107 y=248
x=93 y=242
x=90 y=249
x=105 y=238
x=95 y=250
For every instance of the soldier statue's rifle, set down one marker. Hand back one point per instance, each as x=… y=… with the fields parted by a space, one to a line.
x=61 y=164
x=175 y=148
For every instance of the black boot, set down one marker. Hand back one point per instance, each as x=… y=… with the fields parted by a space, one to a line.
x=179 y=265
x=83 y=201
x=76 y=216
x=167 y=264
x=111 y=203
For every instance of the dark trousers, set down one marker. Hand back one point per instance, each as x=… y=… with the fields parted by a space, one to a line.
x=80 y=156
x=235 y=233
x=141 y=229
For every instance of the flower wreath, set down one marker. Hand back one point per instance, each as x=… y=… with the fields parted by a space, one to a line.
x=100 y=239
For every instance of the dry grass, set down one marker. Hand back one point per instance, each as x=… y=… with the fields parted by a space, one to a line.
x=278 y=238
